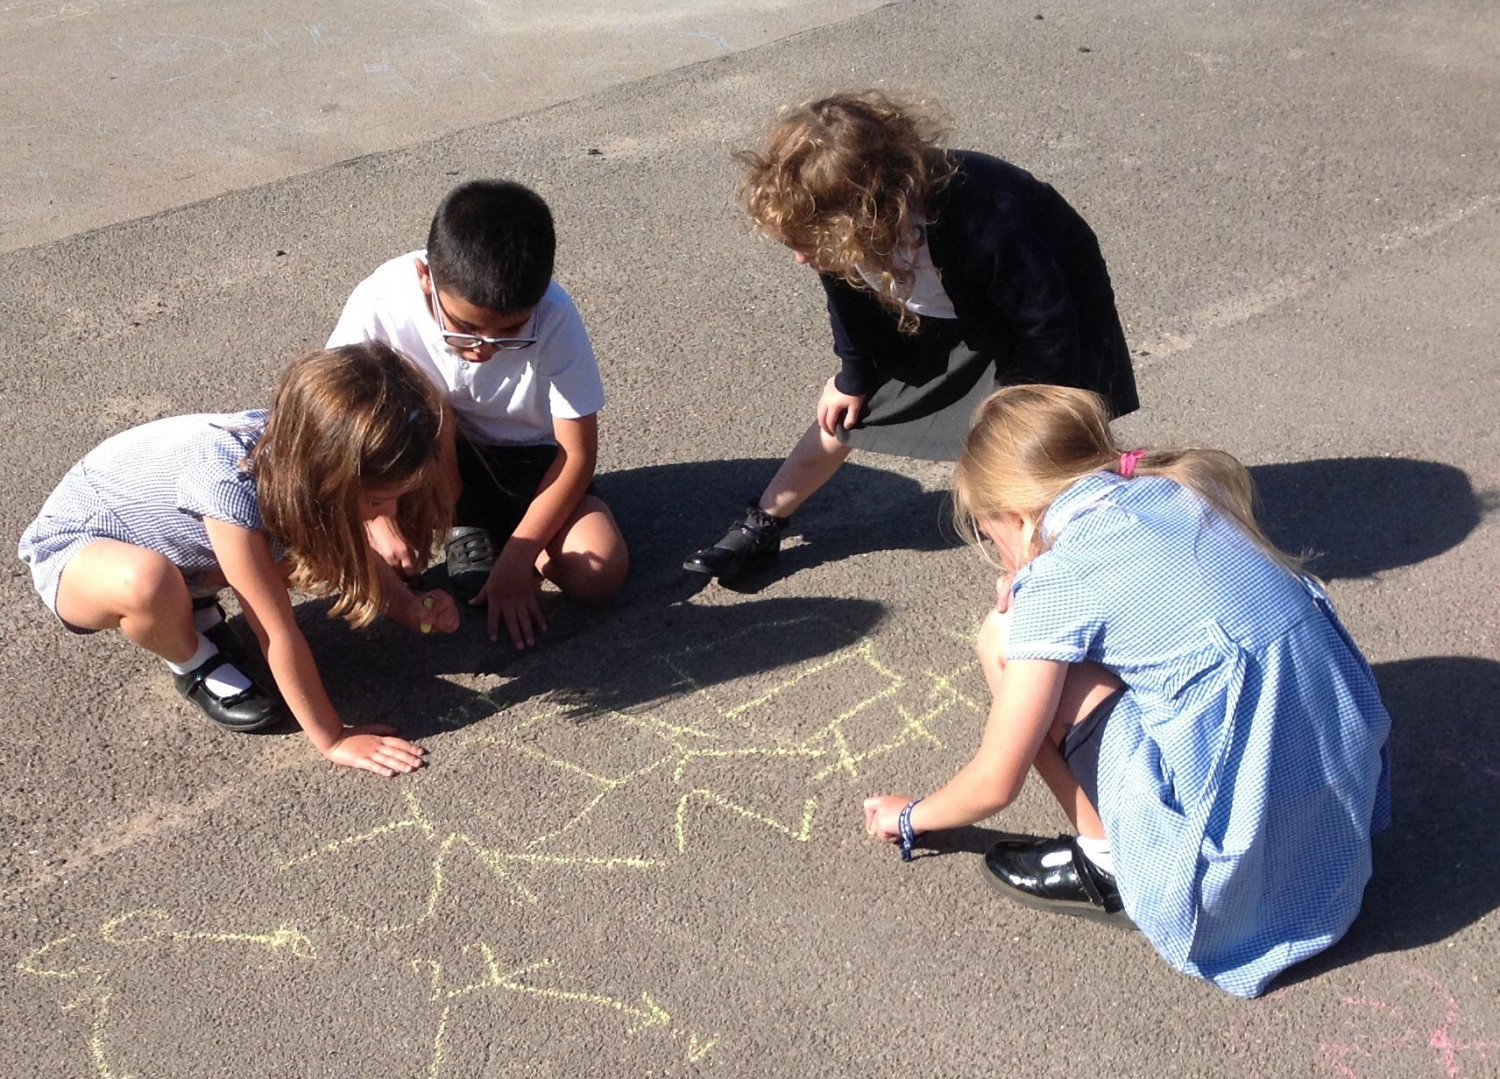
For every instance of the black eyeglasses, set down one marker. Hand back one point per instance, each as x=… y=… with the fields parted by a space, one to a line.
x=471 y=342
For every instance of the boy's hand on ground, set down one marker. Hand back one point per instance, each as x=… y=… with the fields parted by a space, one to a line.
x=512 y=597
x=883 y=816
x=838 y=409
x=388 y=543
x=374 y=747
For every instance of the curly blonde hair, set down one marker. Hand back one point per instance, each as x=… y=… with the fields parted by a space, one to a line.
x=343 y=421
x=847 y=181
x=1031 y=443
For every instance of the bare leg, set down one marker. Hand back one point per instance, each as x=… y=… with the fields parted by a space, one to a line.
x=114 y=585
x=812 y=463
x=587 y=558
x=1087 y=686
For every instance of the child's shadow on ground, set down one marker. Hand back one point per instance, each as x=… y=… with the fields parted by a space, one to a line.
x=635 y=656
x=1360 y=515
x=1357 y=516
x=1437 y=868
x=668 y=511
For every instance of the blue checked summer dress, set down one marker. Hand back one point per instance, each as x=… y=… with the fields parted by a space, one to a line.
x=1247 y=764
x=151 y=486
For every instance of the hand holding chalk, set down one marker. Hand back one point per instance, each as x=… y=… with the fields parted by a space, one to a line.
x=431 y=612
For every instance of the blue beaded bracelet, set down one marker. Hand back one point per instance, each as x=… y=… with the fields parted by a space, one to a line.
x=903 y=824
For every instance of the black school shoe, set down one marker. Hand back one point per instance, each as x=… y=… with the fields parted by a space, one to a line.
x=1022 y=871
x=471 y=557
x=231 y=649
x=751 y=543
x=252 y=709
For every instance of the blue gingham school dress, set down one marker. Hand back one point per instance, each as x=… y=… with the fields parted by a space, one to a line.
x=1247 y=764
x=151 y=486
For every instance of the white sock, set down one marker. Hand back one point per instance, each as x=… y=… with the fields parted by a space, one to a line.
x=206 y=618
x=1097 y=851
x=225 y=681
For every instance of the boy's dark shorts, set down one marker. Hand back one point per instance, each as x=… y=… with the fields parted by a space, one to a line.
x=499 y=484
x=1080 y=746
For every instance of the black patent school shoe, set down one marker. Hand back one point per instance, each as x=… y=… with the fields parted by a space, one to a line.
x=471 y=557
x=251 y=709
x=752 y=543
x=1055 y=875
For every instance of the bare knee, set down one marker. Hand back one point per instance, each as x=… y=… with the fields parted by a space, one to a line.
x=109 y=580
x=589 y=560
x=994 y=634
x=595 y=579
x=147 y=579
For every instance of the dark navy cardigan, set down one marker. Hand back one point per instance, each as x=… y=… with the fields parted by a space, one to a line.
x=1027 y=281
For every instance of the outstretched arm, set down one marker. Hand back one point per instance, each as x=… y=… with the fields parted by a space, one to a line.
x=1025 y=695
x=258 y=583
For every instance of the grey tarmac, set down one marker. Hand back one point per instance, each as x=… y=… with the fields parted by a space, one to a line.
x=637 y=849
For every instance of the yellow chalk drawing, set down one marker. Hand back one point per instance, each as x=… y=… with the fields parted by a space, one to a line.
x=98 y=1000
x=639 y=1015
x=497 y=861
x=696 y=753
x=801 y=834
x=157 y=921
x=123 y=935
x=633 y=790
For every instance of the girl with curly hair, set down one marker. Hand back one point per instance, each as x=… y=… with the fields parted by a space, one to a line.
x=947 y=272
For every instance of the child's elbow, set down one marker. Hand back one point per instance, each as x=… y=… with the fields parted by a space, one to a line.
x=1000 y=791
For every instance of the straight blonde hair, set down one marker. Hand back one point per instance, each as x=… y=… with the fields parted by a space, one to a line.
x=847 y=181
x=1029 y=444
x=343 y=421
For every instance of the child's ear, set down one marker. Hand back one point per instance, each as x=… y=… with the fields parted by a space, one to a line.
x=424 y=275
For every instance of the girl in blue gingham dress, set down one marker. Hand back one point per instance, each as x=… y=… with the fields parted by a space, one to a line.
x=170 y=512
x=1185 y=691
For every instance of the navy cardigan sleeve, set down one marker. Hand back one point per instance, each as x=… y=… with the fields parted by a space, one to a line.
x=863 y=333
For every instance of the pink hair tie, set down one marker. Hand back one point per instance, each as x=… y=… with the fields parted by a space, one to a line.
x=1128 y=461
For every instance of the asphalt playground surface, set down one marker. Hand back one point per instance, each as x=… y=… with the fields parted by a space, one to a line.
x=637 y=849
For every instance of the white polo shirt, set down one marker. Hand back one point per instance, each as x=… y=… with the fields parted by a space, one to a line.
x=510 y=398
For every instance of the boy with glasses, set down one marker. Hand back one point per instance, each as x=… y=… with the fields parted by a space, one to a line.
x=479 y=313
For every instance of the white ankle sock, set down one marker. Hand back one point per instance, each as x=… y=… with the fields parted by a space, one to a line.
x=225 y=681
x=206 y=648
x=1097 y=851
x=206 y=618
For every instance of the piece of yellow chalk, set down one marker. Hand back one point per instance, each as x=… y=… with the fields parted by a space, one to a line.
x=427 y=603
x=426 y=627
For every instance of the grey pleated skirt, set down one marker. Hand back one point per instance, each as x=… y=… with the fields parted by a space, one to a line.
x=925 y=409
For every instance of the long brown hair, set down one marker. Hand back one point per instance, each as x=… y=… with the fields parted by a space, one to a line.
x=846 y=180
x=1031 y=443
x=344 y=420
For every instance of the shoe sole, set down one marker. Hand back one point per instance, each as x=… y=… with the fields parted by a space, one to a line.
x=755 y=562
x=1117 y=920
x=271 y=719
